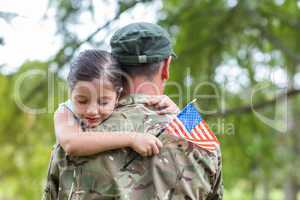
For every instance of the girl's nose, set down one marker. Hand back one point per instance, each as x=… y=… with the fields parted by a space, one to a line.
x=92 y=109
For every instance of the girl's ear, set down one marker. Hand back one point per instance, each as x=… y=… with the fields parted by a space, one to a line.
x=119 y=92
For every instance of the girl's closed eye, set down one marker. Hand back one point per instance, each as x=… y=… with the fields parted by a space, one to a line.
x=101 y=103
x=82 y=100
x=104 y=101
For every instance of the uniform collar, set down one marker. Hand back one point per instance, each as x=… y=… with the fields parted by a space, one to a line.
x=133 y=99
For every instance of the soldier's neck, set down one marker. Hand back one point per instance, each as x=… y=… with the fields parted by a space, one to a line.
x=146 y=86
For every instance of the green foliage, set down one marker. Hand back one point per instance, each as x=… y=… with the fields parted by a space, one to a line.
x=209 y=34
x=26 y=138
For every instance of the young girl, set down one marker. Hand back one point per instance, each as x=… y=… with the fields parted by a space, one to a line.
x=95 y=85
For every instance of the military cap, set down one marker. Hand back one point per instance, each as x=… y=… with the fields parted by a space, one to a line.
x=139 y=43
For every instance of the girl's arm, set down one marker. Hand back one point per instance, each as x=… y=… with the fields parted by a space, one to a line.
x=76 y=142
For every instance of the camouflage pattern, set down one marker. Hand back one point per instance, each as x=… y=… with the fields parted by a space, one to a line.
x=180 y=171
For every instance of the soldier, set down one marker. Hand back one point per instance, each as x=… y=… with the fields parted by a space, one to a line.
x=179 y=171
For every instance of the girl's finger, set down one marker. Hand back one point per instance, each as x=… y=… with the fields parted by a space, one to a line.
x=155 y=149
x=168 y=104
x=149 y=151
x=150 y=102
x=164 y=111
x=161 y=105
x=144 y=154
x=159 y=143
x=168 y=110
x=154 y=100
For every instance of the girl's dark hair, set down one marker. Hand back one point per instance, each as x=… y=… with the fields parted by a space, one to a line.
x=91 y=64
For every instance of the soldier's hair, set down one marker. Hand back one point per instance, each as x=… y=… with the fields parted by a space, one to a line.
x=148 y=70
x=91 y=64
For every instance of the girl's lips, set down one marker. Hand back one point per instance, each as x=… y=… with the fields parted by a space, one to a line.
x=92 y=120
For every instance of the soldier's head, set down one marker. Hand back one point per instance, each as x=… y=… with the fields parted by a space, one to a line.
x=95 y=85
x=144 y=52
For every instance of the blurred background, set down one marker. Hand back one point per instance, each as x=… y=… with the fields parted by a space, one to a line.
x=240 y=58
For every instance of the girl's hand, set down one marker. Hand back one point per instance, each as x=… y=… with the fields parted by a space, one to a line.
x=163 y=104
x=145 y=144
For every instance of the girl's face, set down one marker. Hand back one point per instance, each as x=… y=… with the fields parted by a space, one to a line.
x=93 y=100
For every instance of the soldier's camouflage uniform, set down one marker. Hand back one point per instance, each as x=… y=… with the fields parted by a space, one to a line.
x=180 y=171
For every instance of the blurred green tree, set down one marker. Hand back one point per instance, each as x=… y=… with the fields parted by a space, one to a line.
x=231 y=44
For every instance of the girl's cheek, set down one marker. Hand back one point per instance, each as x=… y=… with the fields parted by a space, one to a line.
x=107 y=110
x=80 y=110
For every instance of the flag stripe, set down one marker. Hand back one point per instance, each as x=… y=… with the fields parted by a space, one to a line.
x=207 y=128
x=211 y=145
x=177 y=130
x=211 y=133
x=197 y=136
x=206 y=131
x=208 y=143
x=205 y=145
x=182 y=132
x=194 y=135
x=201 y=133
x=210 y=148
x=183 y=129
x=190 y=126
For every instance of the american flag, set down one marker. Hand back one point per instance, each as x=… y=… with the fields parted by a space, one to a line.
x=189 y=124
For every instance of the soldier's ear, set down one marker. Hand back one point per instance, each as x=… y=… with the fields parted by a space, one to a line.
x=165 y=68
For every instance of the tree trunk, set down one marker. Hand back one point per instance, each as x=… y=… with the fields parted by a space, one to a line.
x=290 y=189
x=266 y=189
x=291 y=185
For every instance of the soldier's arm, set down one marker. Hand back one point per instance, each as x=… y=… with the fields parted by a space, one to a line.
x=52 y=182
x=217 y=189
x=190 y=172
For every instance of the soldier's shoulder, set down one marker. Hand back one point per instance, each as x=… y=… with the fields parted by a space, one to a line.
x=125 y=113
x=141 y=113
x=124 y=118
x=135 y=117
